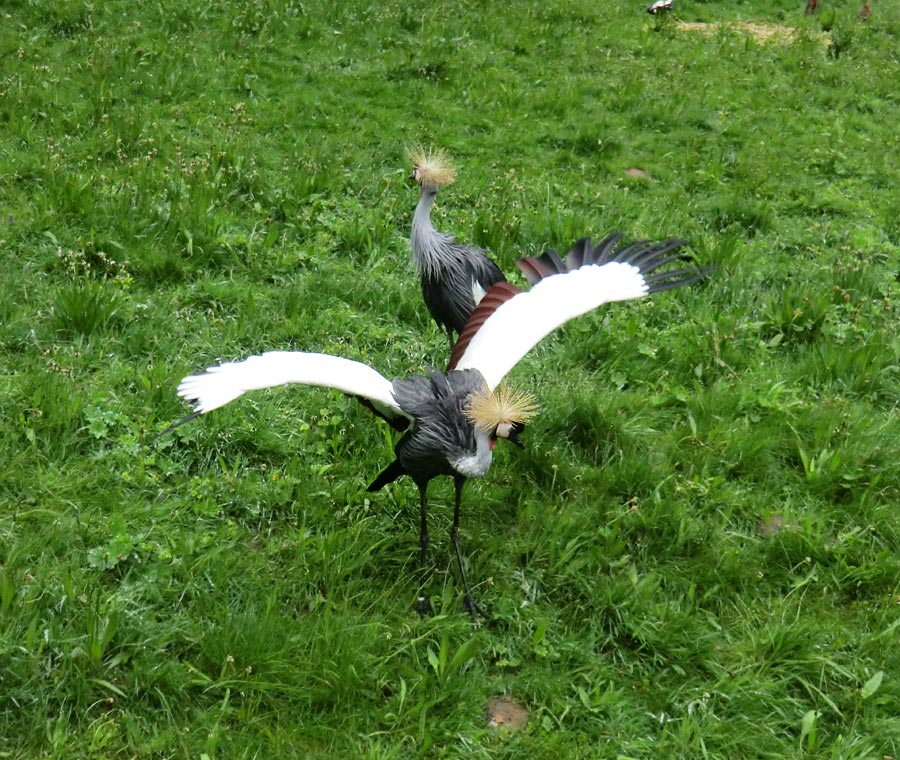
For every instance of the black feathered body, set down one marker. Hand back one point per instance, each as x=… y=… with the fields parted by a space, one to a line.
x=452 y=292
x=441 y=440
x=454 y=276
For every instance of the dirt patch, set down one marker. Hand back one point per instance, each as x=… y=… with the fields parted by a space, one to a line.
x=505 y=714
x=761 y=32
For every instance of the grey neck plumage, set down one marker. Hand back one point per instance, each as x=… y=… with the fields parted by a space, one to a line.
x=431 y=250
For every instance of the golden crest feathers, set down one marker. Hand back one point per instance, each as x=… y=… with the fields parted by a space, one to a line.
x=433 y=166
x=489 y=409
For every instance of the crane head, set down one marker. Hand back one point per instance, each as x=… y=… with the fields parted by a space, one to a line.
x=501 y=413
x=432 y=167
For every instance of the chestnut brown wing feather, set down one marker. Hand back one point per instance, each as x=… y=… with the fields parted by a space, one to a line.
x=498 y=294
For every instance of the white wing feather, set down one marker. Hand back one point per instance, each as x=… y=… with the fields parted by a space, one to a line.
x=225 y=382
x=524 y=320
x=478 y=292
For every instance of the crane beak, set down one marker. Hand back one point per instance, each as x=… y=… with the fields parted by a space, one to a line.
x=414 y=176
x=511 y=431
x=514 y=438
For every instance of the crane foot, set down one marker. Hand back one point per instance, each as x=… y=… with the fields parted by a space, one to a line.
x=423 y=607
x=474 y=608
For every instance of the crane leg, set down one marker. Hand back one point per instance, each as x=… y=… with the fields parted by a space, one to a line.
x=470 y=604
x=422 y=605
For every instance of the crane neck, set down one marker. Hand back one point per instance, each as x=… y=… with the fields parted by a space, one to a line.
x=422 y=217
x=426 y=242
x=475 y=462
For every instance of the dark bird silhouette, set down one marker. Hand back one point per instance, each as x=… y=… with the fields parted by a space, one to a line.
x=452 y=419
x=455 y=276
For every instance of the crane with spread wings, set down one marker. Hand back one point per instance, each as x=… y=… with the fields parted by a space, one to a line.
x=452 y=419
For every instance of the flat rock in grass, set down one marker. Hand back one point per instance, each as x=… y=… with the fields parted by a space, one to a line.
x=505 y=715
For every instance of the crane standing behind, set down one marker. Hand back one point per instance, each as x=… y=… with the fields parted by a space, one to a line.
x=455 y=276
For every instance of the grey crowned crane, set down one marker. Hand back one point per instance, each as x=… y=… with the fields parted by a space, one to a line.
x=455 y=276
x=452 y=419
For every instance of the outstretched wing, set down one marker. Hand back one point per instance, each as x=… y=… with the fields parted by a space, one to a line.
x=560 y=293
x=225 y=382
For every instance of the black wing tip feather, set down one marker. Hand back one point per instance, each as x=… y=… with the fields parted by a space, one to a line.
x=398 y=422
x=178 y=423
x=646 y=255
x=642 y=252
x=604 y=250
x=649 y=256
x=388 y=475
x=676 y=278
x=577 y=254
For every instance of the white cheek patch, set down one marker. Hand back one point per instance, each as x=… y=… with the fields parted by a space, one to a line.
x=504 y=429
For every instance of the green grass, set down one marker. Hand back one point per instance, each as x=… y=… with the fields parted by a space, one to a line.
x=697 y=554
